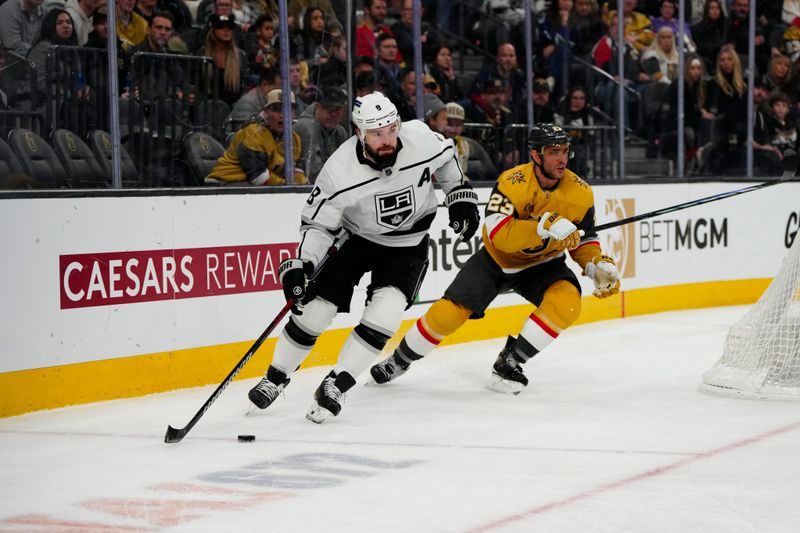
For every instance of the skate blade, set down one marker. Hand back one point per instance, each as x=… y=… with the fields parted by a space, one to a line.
x=254 y=410
x=370 y=382
x=503 y=386
x=318 y=414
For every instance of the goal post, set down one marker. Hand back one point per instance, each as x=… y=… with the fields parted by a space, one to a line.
x=761 y=353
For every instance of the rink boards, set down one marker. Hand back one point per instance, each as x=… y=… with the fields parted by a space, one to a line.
x=112 y=297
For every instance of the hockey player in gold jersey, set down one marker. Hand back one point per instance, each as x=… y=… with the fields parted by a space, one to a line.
x=536 y=213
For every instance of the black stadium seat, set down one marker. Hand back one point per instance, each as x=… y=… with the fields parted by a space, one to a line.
x=8 y=162
x=78 y=160
x=202 y=153
x=100 y=143
x=36 y=158
x=11 y=174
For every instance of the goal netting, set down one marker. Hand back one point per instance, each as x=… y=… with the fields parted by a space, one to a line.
x=761 y=354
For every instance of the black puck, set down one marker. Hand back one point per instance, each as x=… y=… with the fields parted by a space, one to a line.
x=247 y=438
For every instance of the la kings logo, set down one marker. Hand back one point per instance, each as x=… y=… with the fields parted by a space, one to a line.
x=394 y=208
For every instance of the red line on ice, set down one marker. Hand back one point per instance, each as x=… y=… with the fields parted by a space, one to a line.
x=642 y=476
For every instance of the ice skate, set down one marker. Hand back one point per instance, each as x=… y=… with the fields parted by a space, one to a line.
x=507 y=376
x=329 y=397
x=268 y=389
x=388 y=369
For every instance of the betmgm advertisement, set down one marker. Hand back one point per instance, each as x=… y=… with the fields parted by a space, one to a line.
x=741 y=237
x=162 y=275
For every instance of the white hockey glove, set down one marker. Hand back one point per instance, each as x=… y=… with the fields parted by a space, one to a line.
x=293 y=275
x=603 y=271
x=462 y=206
x=562 y=231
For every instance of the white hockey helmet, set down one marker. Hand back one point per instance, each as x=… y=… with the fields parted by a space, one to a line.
x=373 y=111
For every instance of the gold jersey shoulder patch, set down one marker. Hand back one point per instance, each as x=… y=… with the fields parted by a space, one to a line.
x=516 y=177
x=577 y=179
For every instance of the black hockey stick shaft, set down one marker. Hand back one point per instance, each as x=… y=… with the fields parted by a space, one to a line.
x=787 y=175
x=176 y=435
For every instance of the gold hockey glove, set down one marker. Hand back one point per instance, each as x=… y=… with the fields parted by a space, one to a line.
x=563 y=232
x=603 y=271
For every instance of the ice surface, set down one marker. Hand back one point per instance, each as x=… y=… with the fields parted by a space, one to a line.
x=612 y=435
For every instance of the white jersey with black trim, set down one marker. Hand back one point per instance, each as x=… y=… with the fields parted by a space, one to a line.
x=392 y=207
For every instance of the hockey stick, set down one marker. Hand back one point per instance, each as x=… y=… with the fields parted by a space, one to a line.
x=789 y=172
x=176 y=435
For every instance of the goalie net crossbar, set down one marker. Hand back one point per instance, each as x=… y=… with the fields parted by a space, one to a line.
x=761 y=353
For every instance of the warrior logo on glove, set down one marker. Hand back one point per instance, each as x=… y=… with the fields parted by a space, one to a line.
x=462 y=205
x=293 y=275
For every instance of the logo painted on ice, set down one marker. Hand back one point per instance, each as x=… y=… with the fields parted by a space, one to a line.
x=307 y=471
x=394 y=208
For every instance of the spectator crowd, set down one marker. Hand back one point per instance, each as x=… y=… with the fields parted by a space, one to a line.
x=575 y=81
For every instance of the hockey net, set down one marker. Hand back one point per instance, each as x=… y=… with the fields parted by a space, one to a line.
x=761 y=354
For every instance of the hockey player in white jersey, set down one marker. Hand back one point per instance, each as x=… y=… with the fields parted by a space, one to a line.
x=378 y=189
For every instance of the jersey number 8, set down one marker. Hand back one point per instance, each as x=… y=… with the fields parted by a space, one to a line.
x=314 y=194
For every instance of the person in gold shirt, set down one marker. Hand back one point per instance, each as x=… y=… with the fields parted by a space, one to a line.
x=638 y=28
x=131 y=27
x=536 y=213
x=256 y=154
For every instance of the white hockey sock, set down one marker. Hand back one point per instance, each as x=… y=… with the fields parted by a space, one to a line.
x=300 y=334
x=288 y=355
x=355 y=357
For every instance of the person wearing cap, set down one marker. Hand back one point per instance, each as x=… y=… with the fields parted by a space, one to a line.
x=98 y=35
x=252 y=102
x=377 y=192
x=543 y=109
x=761 y=90
x=320 y=129
x=488 y=106
x=473 y=158
x=256 y=154
x=230 y=61
x=537 y=214
x=489 y=109
x=435 y=113
x=455 y=125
